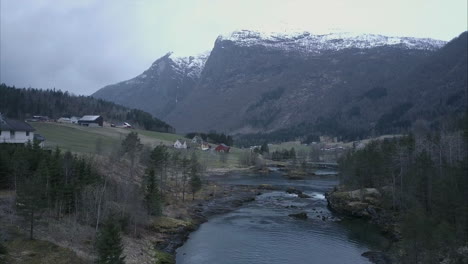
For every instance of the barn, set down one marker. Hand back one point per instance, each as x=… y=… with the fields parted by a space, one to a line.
x=222 y=148
x=91 y=121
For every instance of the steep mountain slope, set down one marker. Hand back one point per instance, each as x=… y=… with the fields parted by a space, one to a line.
x=158 y=89
x=252 y=82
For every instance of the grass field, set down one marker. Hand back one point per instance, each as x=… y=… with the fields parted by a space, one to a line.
x=79 y=139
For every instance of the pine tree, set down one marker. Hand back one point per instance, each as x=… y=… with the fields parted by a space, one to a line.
x=264 y=148
x=195 y=180
x=109 y=244
x=32 y=198
x=131 y=145
x=152 y=195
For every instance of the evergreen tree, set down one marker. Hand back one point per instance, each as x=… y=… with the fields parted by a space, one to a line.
x=152 y=195
x=32 y=198
x=264 y=148
x=195 y=180
x=131 y=146
x=109 y=243
x=160 y=158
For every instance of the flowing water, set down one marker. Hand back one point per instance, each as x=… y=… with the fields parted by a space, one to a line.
x=261 y=231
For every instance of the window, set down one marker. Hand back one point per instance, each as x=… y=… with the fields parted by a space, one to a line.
x=12 y=134
x=27 y=133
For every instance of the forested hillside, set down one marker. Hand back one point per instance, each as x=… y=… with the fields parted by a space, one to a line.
x=423 y=178
x=24 y=103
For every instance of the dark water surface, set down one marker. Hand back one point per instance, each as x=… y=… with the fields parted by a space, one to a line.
x=262 y=232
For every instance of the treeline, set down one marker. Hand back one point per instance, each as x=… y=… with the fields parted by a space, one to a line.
x=305 y=132
x=24 y=103
x=213 y=137
x=425 y=178
x=279 y=155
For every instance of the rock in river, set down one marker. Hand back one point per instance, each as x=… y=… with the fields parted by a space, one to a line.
x=301 y=215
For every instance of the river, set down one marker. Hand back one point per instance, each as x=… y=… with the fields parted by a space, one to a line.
x=261 y=231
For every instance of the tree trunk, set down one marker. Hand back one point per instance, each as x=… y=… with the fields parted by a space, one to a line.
x=31 y=230
x=99 y=204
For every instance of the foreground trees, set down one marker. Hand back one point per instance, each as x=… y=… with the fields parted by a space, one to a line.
x=424 y=177
x=82 y=190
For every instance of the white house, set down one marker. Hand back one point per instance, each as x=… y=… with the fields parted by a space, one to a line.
x=180 y=145
x=74 y=119
x=64 y=120
x=15 y=131
x=205 y=146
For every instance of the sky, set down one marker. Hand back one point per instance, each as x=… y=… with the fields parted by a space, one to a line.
x=81 y=46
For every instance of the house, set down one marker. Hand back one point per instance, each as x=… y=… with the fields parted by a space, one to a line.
x=15 y=131
x=179 y=145
x=122 y=125
x=64 y=120
x=222 y=148
x=205 y=146
x=74 y=119
x=91 y=121
x=197 y=140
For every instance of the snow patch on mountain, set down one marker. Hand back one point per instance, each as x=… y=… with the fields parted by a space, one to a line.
x=307 y=42
x=192 y=66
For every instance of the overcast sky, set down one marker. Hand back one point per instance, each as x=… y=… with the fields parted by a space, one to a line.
x=83 y=45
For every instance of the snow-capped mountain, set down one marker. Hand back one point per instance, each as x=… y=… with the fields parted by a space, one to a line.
x=309 y=43
x=190 y=67
x=337 y=83
x=161 y=86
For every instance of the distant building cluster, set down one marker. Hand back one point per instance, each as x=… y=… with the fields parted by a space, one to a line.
x=198 y=142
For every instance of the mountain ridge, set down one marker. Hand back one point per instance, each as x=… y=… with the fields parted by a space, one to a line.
x=245 y=87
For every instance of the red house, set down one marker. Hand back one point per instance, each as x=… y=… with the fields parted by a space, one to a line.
x=222 y=148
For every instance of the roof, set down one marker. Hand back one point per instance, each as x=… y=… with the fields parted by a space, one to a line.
x=89 y=118
x=15 y=125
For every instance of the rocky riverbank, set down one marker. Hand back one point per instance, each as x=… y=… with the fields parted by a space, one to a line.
x=177 y=233
x=367 y=204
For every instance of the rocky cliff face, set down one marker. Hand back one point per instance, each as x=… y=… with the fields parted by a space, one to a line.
x=252 y=82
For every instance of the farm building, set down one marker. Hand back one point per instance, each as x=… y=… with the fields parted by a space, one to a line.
x=197 y=140
x=205 y=146
x=91 y=121
x=64 y=120
x=74 y=119
x=222 y=148
x=15 y=131
x=179 y=145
